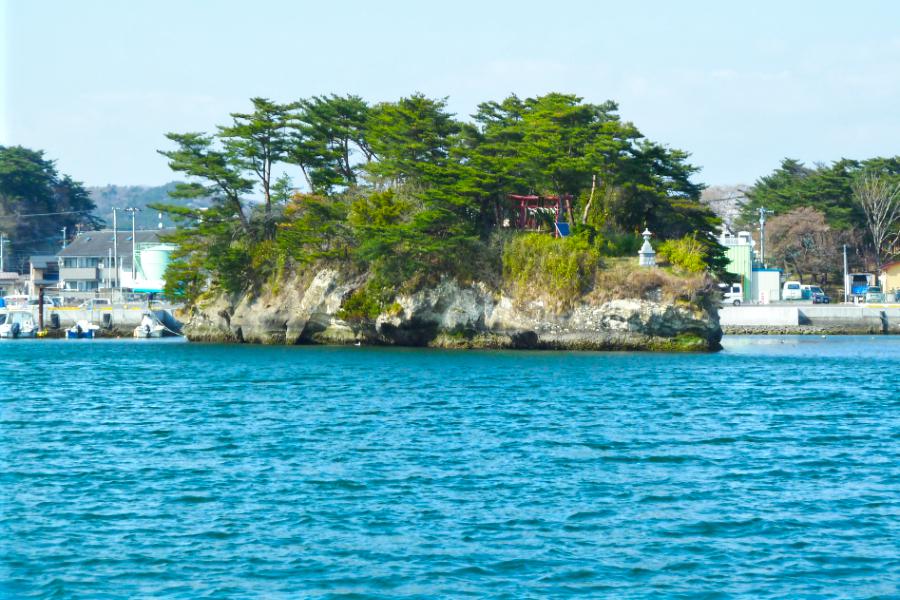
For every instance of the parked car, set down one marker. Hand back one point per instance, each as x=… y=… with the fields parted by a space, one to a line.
x=792 y=291
x=732 y=293
x=874 y=294
x=818 y=295
x=17 y=301
x=94 y=303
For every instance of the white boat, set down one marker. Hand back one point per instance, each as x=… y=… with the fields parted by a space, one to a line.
x=82 y=330
x=149 y=327
x=17 y=324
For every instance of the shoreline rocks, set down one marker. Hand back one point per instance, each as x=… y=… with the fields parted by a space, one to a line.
x=806 y=330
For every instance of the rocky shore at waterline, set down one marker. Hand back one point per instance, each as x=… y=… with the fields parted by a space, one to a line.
x=308 y=310
x=808 y=330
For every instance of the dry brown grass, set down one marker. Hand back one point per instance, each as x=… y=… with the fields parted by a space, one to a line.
x=623 y=278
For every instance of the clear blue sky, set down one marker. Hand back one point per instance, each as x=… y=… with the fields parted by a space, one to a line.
x=739 y=85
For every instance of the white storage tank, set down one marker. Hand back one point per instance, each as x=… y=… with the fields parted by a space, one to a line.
x=155 y=260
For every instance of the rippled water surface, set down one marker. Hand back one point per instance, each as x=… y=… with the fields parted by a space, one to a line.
x=132 y=470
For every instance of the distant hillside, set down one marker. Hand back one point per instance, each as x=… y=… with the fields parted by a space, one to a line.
x=139 y=196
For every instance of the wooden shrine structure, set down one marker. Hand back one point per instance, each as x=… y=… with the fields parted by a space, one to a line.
x=527 y=211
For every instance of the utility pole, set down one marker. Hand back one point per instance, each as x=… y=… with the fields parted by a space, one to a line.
x=116 y=246
x=762 y=234
x=40 y=309
x=64 y=231
x=133 y=212
x=2 y=264
x=846 y=278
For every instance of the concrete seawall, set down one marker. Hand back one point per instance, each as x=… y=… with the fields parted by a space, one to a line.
x=810 y=318
x=754 y=316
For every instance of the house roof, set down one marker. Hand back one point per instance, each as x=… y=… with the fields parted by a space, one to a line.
x=42 y=261
x=98 y=243
x=890 y=265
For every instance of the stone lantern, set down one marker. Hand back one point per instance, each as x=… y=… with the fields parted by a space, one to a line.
x=647 y=254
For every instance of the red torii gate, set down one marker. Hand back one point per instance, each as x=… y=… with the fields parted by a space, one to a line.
x=526 y=208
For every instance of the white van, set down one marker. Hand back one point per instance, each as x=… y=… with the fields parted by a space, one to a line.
x=792 y=290
x=732 y=293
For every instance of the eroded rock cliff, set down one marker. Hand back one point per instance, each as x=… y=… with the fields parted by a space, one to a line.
x=306 y=309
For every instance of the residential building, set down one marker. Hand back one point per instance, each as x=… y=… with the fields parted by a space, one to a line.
x=88 y=265
x=10 y=283
x=890 y=277
x=44 y=272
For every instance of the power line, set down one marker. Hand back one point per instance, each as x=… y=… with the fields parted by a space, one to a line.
x=49 y=214
x=18 y=242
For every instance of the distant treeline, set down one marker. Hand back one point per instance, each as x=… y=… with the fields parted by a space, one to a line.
x=818 y=209
x=36 y=204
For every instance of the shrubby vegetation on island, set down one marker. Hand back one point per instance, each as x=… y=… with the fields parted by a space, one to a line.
x=406 y=193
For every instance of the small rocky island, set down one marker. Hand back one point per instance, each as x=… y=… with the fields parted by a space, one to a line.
x=518 y=228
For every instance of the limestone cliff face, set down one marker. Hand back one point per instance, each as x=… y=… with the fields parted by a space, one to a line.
x=451 y=315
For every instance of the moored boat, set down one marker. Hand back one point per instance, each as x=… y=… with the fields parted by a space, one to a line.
x=82 y=330
x=150 y=327
x=17 y=324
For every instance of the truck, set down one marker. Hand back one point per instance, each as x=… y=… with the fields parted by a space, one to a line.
x=858 y=284
x=874 y=294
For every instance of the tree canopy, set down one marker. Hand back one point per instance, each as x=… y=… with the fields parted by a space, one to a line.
x=822 y=202
x=407 y=190
x=37 y=202
x=827 y=188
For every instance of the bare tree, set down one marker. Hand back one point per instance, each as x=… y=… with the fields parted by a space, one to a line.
x=880 y=201
x=726 y=201
x=803 y=243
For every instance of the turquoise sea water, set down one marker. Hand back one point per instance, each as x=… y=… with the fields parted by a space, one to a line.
x=174 y=470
